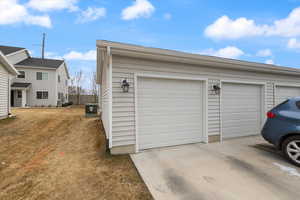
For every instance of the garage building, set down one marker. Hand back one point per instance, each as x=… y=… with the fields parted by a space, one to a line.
x=155 y=97
x=7 y=71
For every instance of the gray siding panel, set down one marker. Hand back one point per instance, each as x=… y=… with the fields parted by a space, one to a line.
x=124 y=106
x=123 y=113
x=3 y=92
x=17 y=57
x=213 y=108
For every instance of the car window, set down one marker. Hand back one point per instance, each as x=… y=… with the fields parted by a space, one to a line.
x=283 y=103
x=298 y=104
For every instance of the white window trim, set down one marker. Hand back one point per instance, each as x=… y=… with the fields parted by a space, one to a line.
x=42 y=95
x=263 y=99
x=20 y=74
x=205 y=102
x=42 y=76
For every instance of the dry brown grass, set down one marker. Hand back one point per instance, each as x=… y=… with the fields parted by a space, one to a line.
x=59 y=154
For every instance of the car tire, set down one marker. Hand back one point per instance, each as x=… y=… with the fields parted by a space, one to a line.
x=290 y=147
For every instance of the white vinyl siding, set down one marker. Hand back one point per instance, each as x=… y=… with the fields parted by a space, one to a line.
x=105 y=95
x=49 y=85
x=42 y=76
x=242 y=106
x=123 y=110
x=170 y=112
x=3 y=92
x=17 y=57
x=285 y=92
x=214 y=123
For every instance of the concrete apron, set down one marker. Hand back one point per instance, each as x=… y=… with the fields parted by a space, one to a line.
x=245 y=168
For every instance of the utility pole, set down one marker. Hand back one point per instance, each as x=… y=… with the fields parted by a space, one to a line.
x=43 y=46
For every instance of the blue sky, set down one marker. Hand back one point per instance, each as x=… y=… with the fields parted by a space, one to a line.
x=260 y=31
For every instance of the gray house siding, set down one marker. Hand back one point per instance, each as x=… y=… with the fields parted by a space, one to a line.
x=105 y=90
x=123 y=104
x=17 y=57
x=39 y=85
x=4 y=87
x=62 y=86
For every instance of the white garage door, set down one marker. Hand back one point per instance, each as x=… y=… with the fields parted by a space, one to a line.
x=282 y=93
x=241 y=110
x=170 y=112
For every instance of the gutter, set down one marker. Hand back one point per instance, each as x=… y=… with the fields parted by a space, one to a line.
x=194 y=59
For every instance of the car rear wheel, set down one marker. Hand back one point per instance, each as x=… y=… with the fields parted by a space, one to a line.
x=291 y=148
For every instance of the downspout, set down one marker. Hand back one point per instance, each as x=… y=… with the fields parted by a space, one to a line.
x=8 y=91
x=110 y=94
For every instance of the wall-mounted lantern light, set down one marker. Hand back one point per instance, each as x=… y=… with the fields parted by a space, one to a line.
x=216 y=89
x=125 y=85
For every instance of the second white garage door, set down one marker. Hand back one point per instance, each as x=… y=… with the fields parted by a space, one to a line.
x=170 y=112
x=241 y=109
x=284 y=92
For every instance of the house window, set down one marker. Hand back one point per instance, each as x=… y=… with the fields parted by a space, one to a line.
x=41 y=76
x=19 y=94
x=21 y=74
x=58 y=78
x=66 y=82
x=41 y=95
x=298 y=104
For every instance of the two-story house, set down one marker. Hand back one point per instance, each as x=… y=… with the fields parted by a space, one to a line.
x=41 y=82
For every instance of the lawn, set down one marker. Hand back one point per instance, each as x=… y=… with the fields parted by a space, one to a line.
x=60 y=154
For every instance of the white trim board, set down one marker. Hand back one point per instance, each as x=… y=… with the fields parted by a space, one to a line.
x=110 y=95
x=263 y=100
x=205 y=97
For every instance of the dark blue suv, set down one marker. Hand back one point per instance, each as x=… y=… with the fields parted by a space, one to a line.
x=282 y=128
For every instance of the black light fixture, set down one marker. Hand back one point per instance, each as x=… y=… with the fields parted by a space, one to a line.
x=216 y=89
x=125 y=86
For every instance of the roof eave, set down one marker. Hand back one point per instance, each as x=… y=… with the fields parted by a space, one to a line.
x=19 y=51
x=188 y=58
x=36 y=67
x=10 y=68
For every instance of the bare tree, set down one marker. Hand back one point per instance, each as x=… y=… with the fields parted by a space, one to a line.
x=78 y=81
x=72 y=88
x=94 y=86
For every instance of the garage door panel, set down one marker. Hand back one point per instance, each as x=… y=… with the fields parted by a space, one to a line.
x=170 y=112
x=241 y=109
x=285 y=92
x=165 y=141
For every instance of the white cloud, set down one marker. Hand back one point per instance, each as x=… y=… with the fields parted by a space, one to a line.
x=91 y=14
x=264 y=53
x=167 y=16
x=53 y=55
x=293 y=43
x=226 y=28
x=39 y=20
x=75 y=55
x=48 y=5
x=269 y=61
x=12 y=12
x=140 y=8
x=227 y=52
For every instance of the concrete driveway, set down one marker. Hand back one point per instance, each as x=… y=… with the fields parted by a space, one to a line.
x=244 y=168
